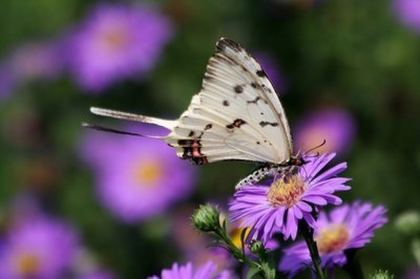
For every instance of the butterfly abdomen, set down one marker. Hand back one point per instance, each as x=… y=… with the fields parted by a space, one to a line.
x=258 y=176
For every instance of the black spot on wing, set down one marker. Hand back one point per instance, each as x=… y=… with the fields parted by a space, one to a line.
x=254 y=101
x=236 y=124
x=238 y=89
x=208 y=126
x=265 y=123
x=226 y=103
x=191 y=134
x=261 y=73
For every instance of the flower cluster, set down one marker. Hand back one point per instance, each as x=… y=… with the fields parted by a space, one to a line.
x=290 y=204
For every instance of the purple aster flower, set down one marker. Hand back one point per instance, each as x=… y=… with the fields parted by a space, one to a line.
x=7 y=82
x=346 y=227
x=334 y=125
x=408 y=12
x=117 y=42
x=273 y=72
x=137 y=178
x=188 y=271
x=39 y=248
x=279 y=205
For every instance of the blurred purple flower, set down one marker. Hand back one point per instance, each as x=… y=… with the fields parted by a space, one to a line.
x=408 y=12
x=137 y=178
x=41 y=60
x=39 y=248
x=7 y=82
x=278 y=206
x=272 y=70
x=334 y=125
x=413 y=272
x=346 y=227
x=188 y=271
x=117 y=42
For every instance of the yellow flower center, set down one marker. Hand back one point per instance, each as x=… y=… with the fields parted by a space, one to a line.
x=286 y=191
x=235 y=236
x=147 y=173
x=332 y=238
x=27 y=264
x=114 y=39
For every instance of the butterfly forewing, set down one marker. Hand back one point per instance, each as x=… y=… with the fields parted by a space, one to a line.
x=236 y=116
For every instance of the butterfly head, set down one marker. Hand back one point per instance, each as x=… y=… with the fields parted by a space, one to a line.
x=296 y=160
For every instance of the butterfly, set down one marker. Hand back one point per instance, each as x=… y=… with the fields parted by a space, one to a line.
x=236 y=115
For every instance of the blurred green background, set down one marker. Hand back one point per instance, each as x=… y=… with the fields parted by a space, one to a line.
x=350 y=54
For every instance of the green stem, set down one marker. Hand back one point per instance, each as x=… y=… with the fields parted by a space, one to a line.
x=236 y=252
x=308 y=235
x=268 y=271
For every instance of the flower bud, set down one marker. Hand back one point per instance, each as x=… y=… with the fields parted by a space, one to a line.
x=256 y=247
x=206 y=218
x=408 y=223
x=381 y=274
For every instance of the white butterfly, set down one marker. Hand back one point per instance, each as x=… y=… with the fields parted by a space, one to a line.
x=237 y=115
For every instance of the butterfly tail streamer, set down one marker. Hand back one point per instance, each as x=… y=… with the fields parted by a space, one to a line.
x=168 y=124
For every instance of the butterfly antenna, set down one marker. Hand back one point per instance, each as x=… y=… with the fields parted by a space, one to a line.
x=316 y=147
x=110 y=130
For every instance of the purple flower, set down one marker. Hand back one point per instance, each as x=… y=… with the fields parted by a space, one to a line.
x=278 y=206
x=334 y=125
x=37 y=60
x=39 y=248
x=7 y=82
x=188 y=271
x=413 y=272
x=346 y=227
x=273 y=72
x=137 y=178
x=116 y=42
x=408 y=12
